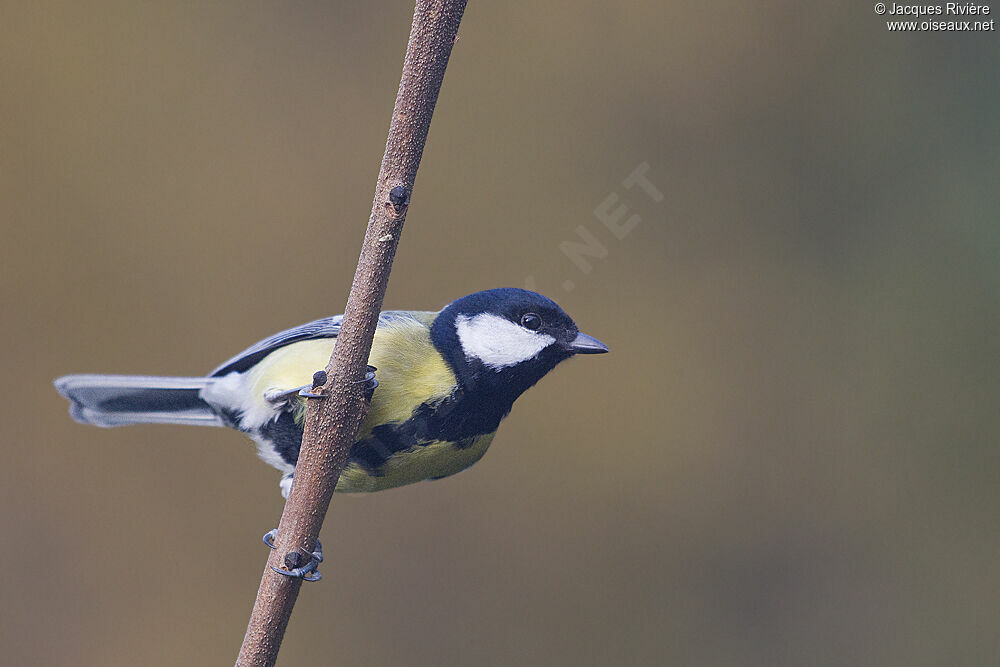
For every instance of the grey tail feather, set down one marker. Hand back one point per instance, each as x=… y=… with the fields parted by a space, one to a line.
x=119 y=400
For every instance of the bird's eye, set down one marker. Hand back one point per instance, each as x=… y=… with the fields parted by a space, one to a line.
x=531 y=321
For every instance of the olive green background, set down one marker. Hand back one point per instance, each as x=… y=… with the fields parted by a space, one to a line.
x=790 y=457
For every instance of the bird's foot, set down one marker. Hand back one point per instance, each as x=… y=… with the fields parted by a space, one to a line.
x=298 y=562
x=282 y=397
x=319 y=379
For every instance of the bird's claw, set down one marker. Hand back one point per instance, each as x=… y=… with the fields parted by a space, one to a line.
x=307 y=572
x=371 y=384
x=308 y=392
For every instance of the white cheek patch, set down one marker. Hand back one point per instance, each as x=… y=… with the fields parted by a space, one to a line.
x=498 y=342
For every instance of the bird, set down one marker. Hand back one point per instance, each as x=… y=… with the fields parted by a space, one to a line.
x=445 y=381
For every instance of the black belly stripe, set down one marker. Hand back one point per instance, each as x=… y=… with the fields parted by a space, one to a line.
x=285 y=435
x=452 y=420
x=371 y=452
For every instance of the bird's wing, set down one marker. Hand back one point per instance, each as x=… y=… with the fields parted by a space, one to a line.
x=327 y=327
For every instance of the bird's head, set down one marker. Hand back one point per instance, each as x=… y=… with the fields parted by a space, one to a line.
x=504 y=340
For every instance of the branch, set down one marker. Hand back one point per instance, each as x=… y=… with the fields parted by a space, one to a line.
x=332 y=422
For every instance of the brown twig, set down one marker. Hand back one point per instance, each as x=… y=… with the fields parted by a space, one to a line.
x=332 y=422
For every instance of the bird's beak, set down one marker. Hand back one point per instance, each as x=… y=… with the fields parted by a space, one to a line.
x=584 y=344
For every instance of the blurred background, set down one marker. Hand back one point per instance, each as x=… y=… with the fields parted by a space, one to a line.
x=790 y=458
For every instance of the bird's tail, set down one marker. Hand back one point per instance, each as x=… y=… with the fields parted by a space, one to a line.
x=119 y=400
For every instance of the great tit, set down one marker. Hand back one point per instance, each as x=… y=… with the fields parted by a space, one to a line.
x=445 y=380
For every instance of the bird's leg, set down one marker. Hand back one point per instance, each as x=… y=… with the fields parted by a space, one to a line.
x=281 y=397
x=299 y=563
x=286 y=485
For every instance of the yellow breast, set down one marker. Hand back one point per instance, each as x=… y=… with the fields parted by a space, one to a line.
x=438 y=459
